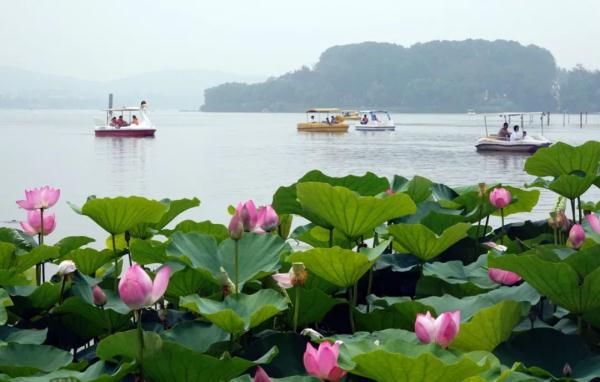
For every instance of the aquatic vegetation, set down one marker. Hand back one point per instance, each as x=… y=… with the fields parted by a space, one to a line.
x=381 y=279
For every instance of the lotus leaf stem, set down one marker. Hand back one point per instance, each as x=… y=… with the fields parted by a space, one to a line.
x=138 y=314
x=331 y=238
x=236 y=264
x=114 y=245
x=503 y=228
x=580 y=211
x=296 y=308
x=573 y=210
x=353 y=297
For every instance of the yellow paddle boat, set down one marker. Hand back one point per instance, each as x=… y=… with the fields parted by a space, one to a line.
x=324 y=121
x=351 y=115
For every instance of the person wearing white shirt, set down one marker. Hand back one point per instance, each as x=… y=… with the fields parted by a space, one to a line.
x=517 y=134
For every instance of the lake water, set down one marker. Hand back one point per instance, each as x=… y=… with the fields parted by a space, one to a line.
x=223 y=158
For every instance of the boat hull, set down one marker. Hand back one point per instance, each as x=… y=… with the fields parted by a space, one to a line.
x=125 y=133
x=323 y=127
x=529 y=146
x=374 y=128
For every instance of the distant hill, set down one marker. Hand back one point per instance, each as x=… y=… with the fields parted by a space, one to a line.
x=438 y=76
x=176 y=89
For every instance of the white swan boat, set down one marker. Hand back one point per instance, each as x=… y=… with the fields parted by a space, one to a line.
x=375 y=120
x=529 y=144
x=131 y=122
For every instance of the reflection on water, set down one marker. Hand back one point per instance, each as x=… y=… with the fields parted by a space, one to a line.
x=223 y=158
x=126 y=159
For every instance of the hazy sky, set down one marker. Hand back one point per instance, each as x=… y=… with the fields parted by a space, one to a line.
x=105 y=39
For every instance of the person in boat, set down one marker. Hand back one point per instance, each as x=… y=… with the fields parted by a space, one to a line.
x=121 y=122
x=503 y=132
x=135 y=121
x=327 y=121
x=312 y=119
x=517 y=134
x=113 y=122
x=364 y=120
x=374 y=117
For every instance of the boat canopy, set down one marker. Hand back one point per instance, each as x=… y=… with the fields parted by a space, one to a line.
x=323 y=110
x=123 y=108
x=373 y=111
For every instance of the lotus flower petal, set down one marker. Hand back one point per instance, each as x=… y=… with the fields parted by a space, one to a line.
x=66 y=267
x=322 y=363
x=161 y=282
x=425 y=327
x=310 y=360
x=267 y=218
x=503 y=277
x=500 y=197
x=448 y=324
x=135 y=287
x=576 y=236
x=236 y=227
x=261 y=375
x=284 y=280
x=38 y=198
x=594 y=222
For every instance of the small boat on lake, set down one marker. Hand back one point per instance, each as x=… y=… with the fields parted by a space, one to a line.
x=375 y=120
x=323 y=120
x=129 y=122
x=351 y=115
x=526 y=143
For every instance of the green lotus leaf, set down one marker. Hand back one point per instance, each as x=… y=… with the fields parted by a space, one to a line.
x=238 y=313
x=341 y=267
x=318 y=237
x=30 y=300
x=23 y=336
x=384 y=365
x=549 y=350
x=489 y=327
x=70 y=243
x=351 y=214
x=88 y=260
x=176 y=363
x=418 y=188
x=97 y=372
x=89 y=321
x=285 y=200
x=258 y=254
x=557 y=279
x=218 y=231
x=400 y=315
x=293 y=378
x=36 y=256
x=28 y=359
x=174 y=208
x=146 y=252
x=314 y=305
x=7 y=255
x=4 y=302
x=423 y=243
x=117 y=215
x=573 y=169
x=455 y=272
x=18 y=238
x=438 y=221
x=195 y=335
x=189 y=281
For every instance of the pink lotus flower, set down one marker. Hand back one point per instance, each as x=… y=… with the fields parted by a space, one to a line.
x=594 y=222
x=236 y=227
x=137 y=289
x=38 y=198
x=576 y=236
x=33 y=225
x=500 y=197
x=98 y=296
x=261 y=375
x=248 y=214
x=267 y=218
x=296 y=276
x=441 y=330
x=500 y=276
x=323 y=363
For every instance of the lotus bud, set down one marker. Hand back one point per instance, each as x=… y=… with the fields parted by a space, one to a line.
x=576 y=236
x=390 y=191
x=33 y=225
x=482 y=190
x=567 y=370
x=98 y=296
x=227 y=286
x=500 y=197
x=594 y=222
x=236 y=228
x=66 y=267
x=300 y=274
x=137 y=290
x=267 y=218
x=248 y=215
x=322 y=363
x=500 y=276
x=441 y=330
x=261 y=375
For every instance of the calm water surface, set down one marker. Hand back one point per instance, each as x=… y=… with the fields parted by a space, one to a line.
x=223 y=158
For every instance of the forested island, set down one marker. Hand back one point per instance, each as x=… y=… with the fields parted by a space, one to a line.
x=438 y=76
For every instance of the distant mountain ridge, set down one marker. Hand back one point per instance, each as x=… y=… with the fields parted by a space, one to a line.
x=169 y=89
x=437 y=76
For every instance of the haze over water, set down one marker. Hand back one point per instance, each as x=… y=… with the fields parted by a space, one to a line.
x=224 y=158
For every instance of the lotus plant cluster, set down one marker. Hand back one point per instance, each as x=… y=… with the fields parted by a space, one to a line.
x=338 y=279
